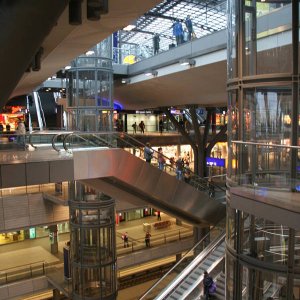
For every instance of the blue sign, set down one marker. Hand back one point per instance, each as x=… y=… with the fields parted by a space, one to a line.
x=215 y=162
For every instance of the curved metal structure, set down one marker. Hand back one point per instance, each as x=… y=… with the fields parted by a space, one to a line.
x=263 y=169
x=93 y=245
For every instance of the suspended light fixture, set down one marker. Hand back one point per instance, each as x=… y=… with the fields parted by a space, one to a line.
x=153 y=73
x=75 y=15
x=187 y=61
x=36 y=64
x=125 y=80
x=96 y=8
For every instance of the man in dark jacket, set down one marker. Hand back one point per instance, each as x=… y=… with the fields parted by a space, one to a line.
x=156 y=41
x=207 y=282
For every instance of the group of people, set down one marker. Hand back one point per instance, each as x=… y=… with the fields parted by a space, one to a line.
x=20 y=132
x=183 y=35
x=183 y=171
x=141 y=127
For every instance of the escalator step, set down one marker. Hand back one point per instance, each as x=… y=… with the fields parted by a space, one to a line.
x=178 y=292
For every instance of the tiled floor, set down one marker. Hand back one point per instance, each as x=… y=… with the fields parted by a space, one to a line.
x=36 y=250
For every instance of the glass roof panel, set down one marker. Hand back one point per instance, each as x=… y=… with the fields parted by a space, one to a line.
x=207 y=17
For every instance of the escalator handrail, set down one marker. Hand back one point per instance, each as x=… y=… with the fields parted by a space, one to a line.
x=202 y=179
x=120 y=135
x=54 y=139
x=198 y=259
x=217 y=240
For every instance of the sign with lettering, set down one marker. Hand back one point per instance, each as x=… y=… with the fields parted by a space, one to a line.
x=215 y=162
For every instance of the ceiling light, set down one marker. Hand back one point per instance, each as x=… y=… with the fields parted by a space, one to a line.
x=67 y=67
x=187 y=61
x=129 y=27
x=151 y=73
x=89 y=53
x=125 y=80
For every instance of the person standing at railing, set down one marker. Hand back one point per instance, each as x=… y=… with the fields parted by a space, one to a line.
x=134 y=126
x=148 y=153
x=142 y=126
x=21 y=131
x=161 y=159
x=189 y=27
x=147 y=239
x=161 y=126
x=156 y=40
x=187 y=172
x=125 y=239
x=179 y=168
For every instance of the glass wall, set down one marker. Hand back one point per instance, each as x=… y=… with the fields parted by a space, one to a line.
x=93 y=244
x=90 y=87
x=263 y=148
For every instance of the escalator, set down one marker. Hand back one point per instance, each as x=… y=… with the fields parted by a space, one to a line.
x=201 y=115
x=184 y=280
x=126 y=177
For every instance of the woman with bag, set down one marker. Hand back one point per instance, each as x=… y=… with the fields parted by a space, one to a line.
x=209 y=286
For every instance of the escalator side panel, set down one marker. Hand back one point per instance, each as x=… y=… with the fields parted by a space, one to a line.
x=140 y=177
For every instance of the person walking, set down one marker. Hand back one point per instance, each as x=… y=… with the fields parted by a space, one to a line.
x=134 y=126
x=147 y=239
x=125 y=239
x=148 y=153
x=189 y=27
x=161 y=159
x=142 y=126
x=158 y=216
x=156 y=40
x=207 y=283
x=161 y=126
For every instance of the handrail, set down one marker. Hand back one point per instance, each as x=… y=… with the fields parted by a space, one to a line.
x=16 y=267
x=180 y=261
x=216 y=242
x=203 y=179
x=265 y=145
x=124 y=137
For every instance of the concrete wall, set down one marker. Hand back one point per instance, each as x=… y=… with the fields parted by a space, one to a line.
x=28 y=211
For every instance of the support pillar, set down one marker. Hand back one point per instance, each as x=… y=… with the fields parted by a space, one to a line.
x=93 y=256
x=199 y=233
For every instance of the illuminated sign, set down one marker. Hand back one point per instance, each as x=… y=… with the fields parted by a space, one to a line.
x=215 y=162
x=32 y=233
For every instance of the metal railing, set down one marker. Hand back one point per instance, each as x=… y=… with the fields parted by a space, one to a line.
x=156 y=240
x=155 y=290
x=23 y=272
